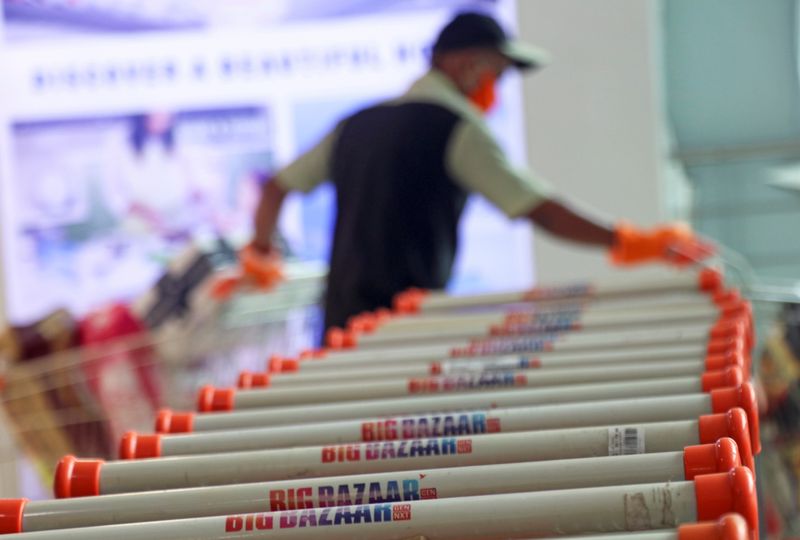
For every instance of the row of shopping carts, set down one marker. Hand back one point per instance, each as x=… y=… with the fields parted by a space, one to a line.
x=621 y=408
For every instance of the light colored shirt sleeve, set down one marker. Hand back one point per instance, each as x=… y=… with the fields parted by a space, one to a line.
x=311 y=168
x=475 y=160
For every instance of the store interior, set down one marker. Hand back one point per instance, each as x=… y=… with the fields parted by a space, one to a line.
x=135 y=137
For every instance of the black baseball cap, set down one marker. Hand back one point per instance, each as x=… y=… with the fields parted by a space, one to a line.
x=471 y=29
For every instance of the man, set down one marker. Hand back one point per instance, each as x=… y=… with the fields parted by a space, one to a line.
x=403 y=170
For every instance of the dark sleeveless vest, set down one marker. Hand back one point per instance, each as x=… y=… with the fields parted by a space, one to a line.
x=397 y=208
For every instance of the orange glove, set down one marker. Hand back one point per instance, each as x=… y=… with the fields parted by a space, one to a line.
x=256 y=268
x=263 y=269
x=673 y=244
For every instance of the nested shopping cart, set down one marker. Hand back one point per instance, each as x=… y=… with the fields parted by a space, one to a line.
x=81 y=400
x=610 y=407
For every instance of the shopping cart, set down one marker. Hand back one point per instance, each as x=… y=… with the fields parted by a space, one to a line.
x=81 y=400
x=612 y=455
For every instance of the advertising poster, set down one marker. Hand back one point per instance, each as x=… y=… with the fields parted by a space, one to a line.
x=129 y=129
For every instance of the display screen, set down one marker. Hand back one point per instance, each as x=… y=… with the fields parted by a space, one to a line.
x=129 y=129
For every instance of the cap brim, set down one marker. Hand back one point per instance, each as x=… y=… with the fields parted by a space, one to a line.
x=524 y=55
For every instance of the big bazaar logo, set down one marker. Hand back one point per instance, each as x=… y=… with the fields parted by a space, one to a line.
x=319 y=517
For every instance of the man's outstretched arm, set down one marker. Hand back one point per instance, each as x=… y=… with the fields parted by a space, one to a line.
x=562 y=221
x=266 y=216
x=671 y=243
x=303 y=174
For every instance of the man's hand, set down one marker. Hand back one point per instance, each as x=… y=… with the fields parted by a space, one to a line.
x=674 y=244
x=264 y=268
x=263 y=248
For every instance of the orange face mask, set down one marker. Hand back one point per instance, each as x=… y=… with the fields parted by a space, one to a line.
x=483 y=96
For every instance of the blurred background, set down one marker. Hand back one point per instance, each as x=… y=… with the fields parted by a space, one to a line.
x=132 y=131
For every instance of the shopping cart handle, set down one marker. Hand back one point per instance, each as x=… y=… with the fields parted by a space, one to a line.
x=729 y=527
x=77 y=477
x=714 y=362
x=337 y=338
x=169 y=421
x=733 y=424
x=139 y=445
x=215 y=399
x=743 y=396
x=281 y=364
x=722 y=456
x=728 y=377
x=710 y=280
x=735 y=491
x=250 y=379
x=11 y=512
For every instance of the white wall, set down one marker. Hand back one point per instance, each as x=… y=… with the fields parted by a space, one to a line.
x=593 y=117
x=3 y=172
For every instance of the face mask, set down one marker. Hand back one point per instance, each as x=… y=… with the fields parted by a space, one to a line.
x=483 y=96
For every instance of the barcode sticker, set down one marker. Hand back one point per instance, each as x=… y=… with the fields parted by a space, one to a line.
x=625 y=441
x=469 y=366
